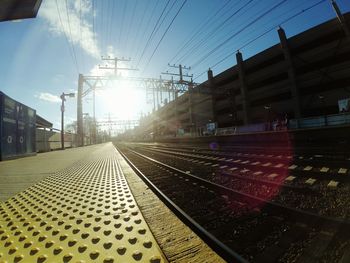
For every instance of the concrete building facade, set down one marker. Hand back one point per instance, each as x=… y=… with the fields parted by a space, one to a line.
x=303 y=76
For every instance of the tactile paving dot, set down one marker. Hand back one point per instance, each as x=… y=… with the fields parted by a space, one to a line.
x=85 y=213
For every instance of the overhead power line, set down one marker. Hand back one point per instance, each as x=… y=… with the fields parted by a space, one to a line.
x=194 y=34
x=237 y=33
x=71 y=36
x=151 y=35
x=109 y=28
x=263 y=34
x=68 y=42
x=131 y=24
x=165 y=32
x=205 y=38
x=122 y=23
x=147 y=25
x=139 y=26
x=93 y=21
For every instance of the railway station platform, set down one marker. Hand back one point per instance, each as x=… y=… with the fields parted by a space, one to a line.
x=87 y=205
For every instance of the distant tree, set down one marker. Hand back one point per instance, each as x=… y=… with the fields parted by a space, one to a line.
x=71 y=127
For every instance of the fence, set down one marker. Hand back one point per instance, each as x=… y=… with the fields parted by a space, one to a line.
x=304 y=123
x=50 y=139
x=320 y=121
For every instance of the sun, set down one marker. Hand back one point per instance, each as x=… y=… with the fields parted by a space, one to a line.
x=123 y=100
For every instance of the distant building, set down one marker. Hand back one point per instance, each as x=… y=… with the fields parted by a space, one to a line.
x=303 y=76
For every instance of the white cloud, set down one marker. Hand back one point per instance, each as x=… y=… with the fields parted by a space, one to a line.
x=80 y=32
x=48 y=97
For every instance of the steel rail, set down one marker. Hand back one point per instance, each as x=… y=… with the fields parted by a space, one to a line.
x=240 y=177
x=271 y=206
x=224 y=251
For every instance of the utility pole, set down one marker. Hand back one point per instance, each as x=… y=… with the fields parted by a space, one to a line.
x=63 y=98
x=190 y=85
x=80 y=129
x=180 y=74
x=341 y=18
x=109 y=125
x=115 y=68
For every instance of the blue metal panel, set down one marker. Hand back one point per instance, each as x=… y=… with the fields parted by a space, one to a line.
x=31 y=131
x=8 y=128
x=17 y=129
x=21 y=128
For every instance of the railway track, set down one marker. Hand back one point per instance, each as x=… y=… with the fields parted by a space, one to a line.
x=256 y=228
x=312 y=193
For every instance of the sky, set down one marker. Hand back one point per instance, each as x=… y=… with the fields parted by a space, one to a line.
x=42 y=57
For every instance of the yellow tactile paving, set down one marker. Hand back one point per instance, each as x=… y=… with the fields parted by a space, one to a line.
x=342 y=170
x=308 y=168
x=292 y=167
x=310 y=181
x=324 y=170
x=332 y=184
x=290 y=178
x=82 y=214
x=273 y=175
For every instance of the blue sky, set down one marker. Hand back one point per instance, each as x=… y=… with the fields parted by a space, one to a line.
x=41 y=58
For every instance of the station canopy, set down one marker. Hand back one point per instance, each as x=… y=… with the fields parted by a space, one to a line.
x=18 y=9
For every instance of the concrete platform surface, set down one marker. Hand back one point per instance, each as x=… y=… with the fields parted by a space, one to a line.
x=82 y=213
x=88 y=205
x=17 y=175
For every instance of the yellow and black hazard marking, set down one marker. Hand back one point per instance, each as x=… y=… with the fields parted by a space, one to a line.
x=84 y=213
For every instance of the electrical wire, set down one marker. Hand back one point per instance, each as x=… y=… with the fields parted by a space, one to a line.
x=71 y=36
x=147 y=25
x=93 y=21
x=195 y=33
x=166 y=15
x=151 y=35
x=131 y=23
x=81 y=34
x=238 y=32
x=109 y=29
x=122 y=23
x=139 y=29
x=68 y=43
x=249 y=42
x=205 y=38
x=166 y=31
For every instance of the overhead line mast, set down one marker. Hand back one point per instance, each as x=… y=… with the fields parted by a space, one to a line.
x=115 y=60
x=180 y=74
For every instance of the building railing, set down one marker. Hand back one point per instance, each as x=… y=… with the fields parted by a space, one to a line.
x=320 y=121
x=304 y=123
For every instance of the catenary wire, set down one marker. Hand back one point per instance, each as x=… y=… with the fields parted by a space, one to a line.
x=195 y=32
x=71 y=36
x=68 y=43
x=238 y=32
x=152 y=33
x=261 y=35
x=160 y=41
x=203 y=40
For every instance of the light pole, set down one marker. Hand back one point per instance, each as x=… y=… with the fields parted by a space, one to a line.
x=63 y=98
x=268 y=117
